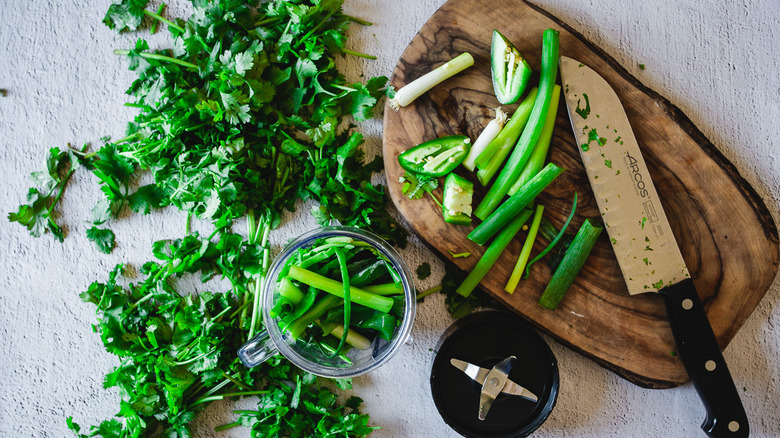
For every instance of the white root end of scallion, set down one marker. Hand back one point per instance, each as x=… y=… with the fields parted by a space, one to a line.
x=487 y=135
x=411 y=91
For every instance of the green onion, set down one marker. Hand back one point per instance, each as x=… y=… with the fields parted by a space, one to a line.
x=553 y=239
x=342 y=259
x=385 y=289
x=297 y=327
x=289 y=291
x=532 y=131
x=353 y=338
x=490 y=160
x=571 y=264
x=539 y=155
x=492 y=253
x=511 y=285
x=487 y=136
x=411 y=91
x=357 y=296
x=516 y=203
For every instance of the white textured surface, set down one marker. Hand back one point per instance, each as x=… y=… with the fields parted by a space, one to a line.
x=716 y=60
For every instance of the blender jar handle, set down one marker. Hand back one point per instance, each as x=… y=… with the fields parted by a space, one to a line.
x=257 y=350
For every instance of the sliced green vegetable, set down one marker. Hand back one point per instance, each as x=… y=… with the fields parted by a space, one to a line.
x=571 y=265
x=436 y=157
x=532 y=131
x=539 y=155
x=487 y=135
x=552 y=238
x=508 y=68
x=411 y=91
x=289 y=291
x=345 y=291
x=385 y=289
x=525 y=252
x=353 y=338
x=516 y=203
x=336 y=288
x=299 y=325
x=491 y=159
x=492 y=253
x=456 y=202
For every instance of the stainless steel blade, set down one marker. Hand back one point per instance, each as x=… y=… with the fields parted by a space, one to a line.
x=630 y=207
x=478 y=374
x=493 y=384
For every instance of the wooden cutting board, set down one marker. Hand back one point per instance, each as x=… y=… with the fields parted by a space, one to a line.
x=727 y=236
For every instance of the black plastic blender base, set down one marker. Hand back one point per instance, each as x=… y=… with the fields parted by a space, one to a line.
x=484 y=339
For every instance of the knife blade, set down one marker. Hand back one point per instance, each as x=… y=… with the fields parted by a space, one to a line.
x=642 y=239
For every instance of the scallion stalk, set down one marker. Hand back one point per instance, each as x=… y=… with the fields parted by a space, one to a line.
x=492 y=253
x=297 y=327
x=516 y=203
x=487 y=135
x=345 y=292
x=539 y=154
x=353 y=338
x=491 y=159
x=289 y=291
x=385 y=289
x=532 y=131
x=411 y=91
x=571 y=264
x=357 y=296
x=552 y=237
x=525 y=252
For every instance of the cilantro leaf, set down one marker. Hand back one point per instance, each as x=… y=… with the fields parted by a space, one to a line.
x=125 y=14
x=102 y=238
x=424 y=271
x=37 y=215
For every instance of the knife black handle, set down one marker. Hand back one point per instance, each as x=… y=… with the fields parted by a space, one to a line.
x=700 y=353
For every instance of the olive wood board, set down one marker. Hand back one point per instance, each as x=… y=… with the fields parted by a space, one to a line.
x=726 y=234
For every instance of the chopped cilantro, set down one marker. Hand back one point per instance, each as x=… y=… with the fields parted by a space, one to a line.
x=583 y=112
x=423 y=271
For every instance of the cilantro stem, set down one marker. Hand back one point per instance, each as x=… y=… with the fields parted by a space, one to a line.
x=185 y=362
x=258 y=284
x=188 y=223
x=358 y=54
x=144 y=298
x=129 y=137
x=226 y=426
x=160 y=10
x=272 y=20
x=62 y=185
x=222 y=396
x=424 y=294
x=357 y=20
x=315 y=28
x=160 y=18
x=236 y=382
x=158 y=57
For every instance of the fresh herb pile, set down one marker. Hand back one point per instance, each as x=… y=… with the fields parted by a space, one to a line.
x=240 y=118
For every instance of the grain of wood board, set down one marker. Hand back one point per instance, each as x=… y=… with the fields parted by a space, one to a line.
x=726 y=234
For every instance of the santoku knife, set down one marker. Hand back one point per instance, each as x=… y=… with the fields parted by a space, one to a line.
x=642 y=238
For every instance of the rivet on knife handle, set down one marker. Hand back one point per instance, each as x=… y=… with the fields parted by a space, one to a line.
x=704 y=362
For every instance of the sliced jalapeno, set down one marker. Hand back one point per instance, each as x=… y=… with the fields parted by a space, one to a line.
x=509 y=70
x=456 y=203
x=436 y=157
